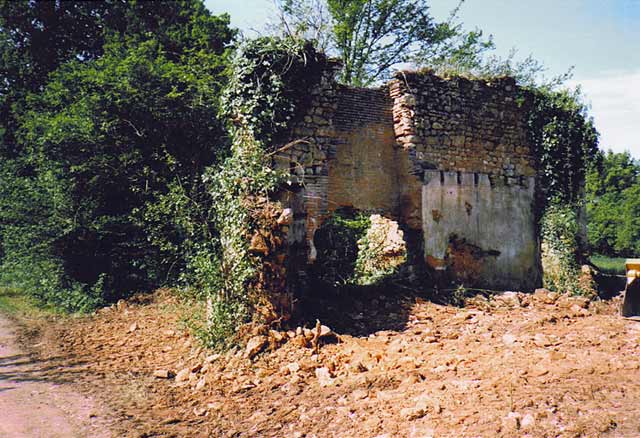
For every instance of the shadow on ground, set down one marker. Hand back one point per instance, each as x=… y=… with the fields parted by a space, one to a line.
x=365 y=310
x=30 y=368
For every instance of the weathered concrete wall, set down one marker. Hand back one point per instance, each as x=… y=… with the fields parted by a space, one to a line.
x=483 y=231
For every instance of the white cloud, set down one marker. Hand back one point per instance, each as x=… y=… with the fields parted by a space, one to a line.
x=615 y=106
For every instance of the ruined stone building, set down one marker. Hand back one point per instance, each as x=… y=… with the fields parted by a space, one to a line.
x=448 y=159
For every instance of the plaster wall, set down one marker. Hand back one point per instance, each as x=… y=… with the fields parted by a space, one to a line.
x=481 y=229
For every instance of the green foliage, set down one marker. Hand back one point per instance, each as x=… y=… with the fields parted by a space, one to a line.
x=100 y=181
x=374 y=263
x=613 y=205
x=337 y=245
x=351 y=249
x=371 y=37
x=565 y=142
x=566 y=147
x=268 y=77
x=609 y=265
x=560 y=233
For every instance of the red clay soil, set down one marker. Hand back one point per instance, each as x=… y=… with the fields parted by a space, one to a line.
x=514 y=366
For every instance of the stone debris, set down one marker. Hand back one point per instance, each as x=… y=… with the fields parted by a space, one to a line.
x=413 y=413
x=541 y=340
x=183 y=375
x=255 y=346
x=324 y=376
x=286 y=217
x=509 y=339
x=499 y=371
x=163 y=374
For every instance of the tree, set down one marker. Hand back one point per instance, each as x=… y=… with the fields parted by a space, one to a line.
x=106 y=151
x=613 y=205
x=371 y=37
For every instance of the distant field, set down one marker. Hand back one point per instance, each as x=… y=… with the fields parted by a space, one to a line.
x=609 y=265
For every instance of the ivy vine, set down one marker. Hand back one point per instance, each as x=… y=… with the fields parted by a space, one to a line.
x=268 y=77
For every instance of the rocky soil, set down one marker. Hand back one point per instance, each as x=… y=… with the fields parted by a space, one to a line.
x=516 y=365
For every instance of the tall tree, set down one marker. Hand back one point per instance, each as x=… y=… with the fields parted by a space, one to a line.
x=613 y=205
x=373 y=36
x=101 y=135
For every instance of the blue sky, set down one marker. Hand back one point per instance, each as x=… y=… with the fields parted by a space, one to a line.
x=600 y=38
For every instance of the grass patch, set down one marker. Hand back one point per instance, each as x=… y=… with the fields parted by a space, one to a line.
x=609 y=265
x=20 y=305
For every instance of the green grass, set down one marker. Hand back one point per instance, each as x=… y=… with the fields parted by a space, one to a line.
x=21 y=305
x=609 y=265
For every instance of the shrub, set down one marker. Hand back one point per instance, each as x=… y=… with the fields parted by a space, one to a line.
x=561 y=244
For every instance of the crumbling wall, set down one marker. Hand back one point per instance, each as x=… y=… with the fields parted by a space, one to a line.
x=448 y=159
x=462 y=125
x=468 y=144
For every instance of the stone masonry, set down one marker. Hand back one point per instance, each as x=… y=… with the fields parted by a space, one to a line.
x=448 y=159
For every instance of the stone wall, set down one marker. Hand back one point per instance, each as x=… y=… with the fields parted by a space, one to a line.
x=420 y=145
x=462 y=125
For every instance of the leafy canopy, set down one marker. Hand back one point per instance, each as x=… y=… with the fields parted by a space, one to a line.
x=106 y=143
x=371 y=37
x=613 y=205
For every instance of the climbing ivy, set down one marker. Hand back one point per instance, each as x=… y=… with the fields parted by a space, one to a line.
x=260 y=102
x=561 y=244
x=565 y=142
x=566 y=146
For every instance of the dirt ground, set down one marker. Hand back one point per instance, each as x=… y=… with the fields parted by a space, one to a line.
x=516 y=365
x=34 y=404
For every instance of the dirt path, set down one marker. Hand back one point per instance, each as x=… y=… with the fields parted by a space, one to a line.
x=33 y=404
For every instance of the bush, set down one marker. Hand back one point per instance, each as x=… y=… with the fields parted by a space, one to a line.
x=337 y=245
x=561 y=244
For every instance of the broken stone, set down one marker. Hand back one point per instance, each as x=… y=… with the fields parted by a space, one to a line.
x=201 y=384
x=121 y=305
x=359 y=394
x=212 y=358
x=556 y=355
x=413 y=413
x=527 y=422
x=163 y=374
x=324 y=377
x=541 y=340
x=286 y=217
x=293 y=367
x=325 y=331
x=133 y=327
x=183 y=375
x=255 y=346
x=258 y=245
x=551 y=297
x=215 y=406
x=276 y=336
x=508 y=299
